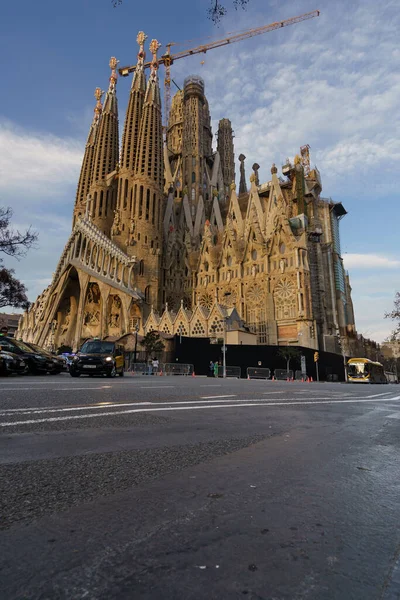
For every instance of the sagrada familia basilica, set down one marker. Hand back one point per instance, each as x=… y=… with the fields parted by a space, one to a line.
x=162 y=238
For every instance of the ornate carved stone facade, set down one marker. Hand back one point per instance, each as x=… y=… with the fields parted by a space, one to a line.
x=162 y=240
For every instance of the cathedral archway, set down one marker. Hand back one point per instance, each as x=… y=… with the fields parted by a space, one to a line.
x=91 y=326
x=64 y=322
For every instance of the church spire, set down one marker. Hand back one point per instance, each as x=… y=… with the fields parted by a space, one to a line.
x=148 y=185
x=149 y=160
x=105 y=159
x=134 y=110
x=85 y=178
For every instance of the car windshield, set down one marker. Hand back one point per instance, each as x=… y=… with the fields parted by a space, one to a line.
x=41 y=350
x=22 y=346
x=357 y=369
x=97 y=348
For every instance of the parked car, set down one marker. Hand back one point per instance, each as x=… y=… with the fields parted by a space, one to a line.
x=36 y=361
x=97 y=357
x=57 y=361
x=11 y=364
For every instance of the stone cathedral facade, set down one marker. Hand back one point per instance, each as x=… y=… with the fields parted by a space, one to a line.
x=163 y=239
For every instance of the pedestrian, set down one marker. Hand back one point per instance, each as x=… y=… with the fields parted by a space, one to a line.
x=211 y=369
x=216 y=369
x=155 y=366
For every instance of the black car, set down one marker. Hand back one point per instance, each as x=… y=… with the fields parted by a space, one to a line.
x=57 y=361
x=11 y=364
x=36 y=361
x=97 y=357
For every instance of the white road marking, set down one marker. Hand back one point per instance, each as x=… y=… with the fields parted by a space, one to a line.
x=58 y=389
x=223 y=396
x=152 y=387
x=393 y=416
x=211 y=385
x=272 y=392
x=203 y=407
x=204 y=400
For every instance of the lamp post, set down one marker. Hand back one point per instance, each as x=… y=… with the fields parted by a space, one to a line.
x=136 y=334
x=224 y=352
x=226 y=294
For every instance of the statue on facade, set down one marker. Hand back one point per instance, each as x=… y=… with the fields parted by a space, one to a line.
x=116 y=230
x=131 y=233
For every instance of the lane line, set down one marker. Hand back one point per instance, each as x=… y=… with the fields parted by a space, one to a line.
x=176 y=408
x=222 y=396
x=102 y=405
x=155 y=387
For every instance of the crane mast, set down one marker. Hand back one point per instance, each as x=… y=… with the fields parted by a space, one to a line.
x=168 y=59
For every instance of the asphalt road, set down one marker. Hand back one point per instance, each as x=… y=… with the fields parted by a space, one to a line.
x=196 y=488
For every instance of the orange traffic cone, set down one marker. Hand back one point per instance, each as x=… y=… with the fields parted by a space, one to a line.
x=273 y=377
x=248 y=377
x=193 y=374
x=311 y=380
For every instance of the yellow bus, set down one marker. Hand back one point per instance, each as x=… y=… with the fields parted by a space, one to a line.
x=363 y=370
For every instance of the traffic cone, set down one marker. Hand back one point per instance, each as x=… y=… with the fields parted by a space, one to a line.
x=287 y=380
x=248 y=377
x=311 y=380
x=273 y=377
x=160 y=373
x=193 y=374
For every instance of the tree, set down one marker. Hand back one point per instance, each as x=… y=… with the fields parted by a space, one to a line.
x=12 y=291
x=216 y=11
x=152 y=343
x=289 y=353
x=395 y=316
x=16 y=244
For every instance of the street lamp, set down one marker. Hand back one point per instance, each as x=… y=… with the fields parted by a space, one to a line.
x=136 y=335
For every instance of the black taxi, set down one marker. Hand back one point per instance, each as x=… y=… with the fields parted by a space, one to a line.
x=98 y=357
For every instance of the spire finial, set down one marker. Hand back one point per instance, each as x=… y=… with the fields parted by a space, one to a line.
x=242 y=183
x=98 y=94
x=141 y=38
x=113 y=77
x=154 y=46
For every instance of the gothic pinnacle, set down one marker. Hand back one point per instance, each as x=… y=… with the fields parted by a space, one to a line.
x=113 y=77
x=141 y=38
x=98 y=94
x=154 y=46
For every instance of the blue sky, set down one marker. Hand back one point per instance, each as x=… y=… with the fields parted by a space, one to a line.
x=332 y=82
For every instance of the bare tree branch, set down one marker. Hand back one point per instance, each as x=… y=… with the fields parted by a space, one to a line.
x=13 y=242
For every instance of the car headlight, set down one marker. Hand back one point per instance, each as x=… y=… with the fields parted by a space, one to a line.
x=108 y=359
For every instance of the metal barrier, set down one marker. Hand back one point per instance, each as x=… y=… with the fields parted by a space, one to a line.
x=176 y=369
x=230 y=371
x=258 y=373
x=283 y=374
x=299 y=376
x=138 y=368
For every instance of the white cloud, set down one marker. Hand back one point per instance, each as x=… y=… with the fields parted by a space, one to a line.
x=38 y=163
x=369 y=261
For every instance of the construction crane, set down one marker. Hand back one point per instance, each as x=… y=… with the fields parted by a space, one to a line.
x=168 y=59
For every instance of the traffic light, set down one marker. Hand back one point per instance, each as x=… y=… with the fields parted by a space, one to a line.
x=316 y=356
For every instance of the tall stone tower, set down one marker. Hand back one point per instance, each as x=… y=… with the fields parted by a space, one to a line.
x=196 y=137
x=85 y=178
x=148 y=188
x=124 y=230
x=225 y=149
x=103 y=189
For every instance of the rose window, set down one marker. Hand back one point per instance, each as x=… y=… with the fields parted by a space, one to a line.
x=206 y=300
x=255 y=294
x=284 y=289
